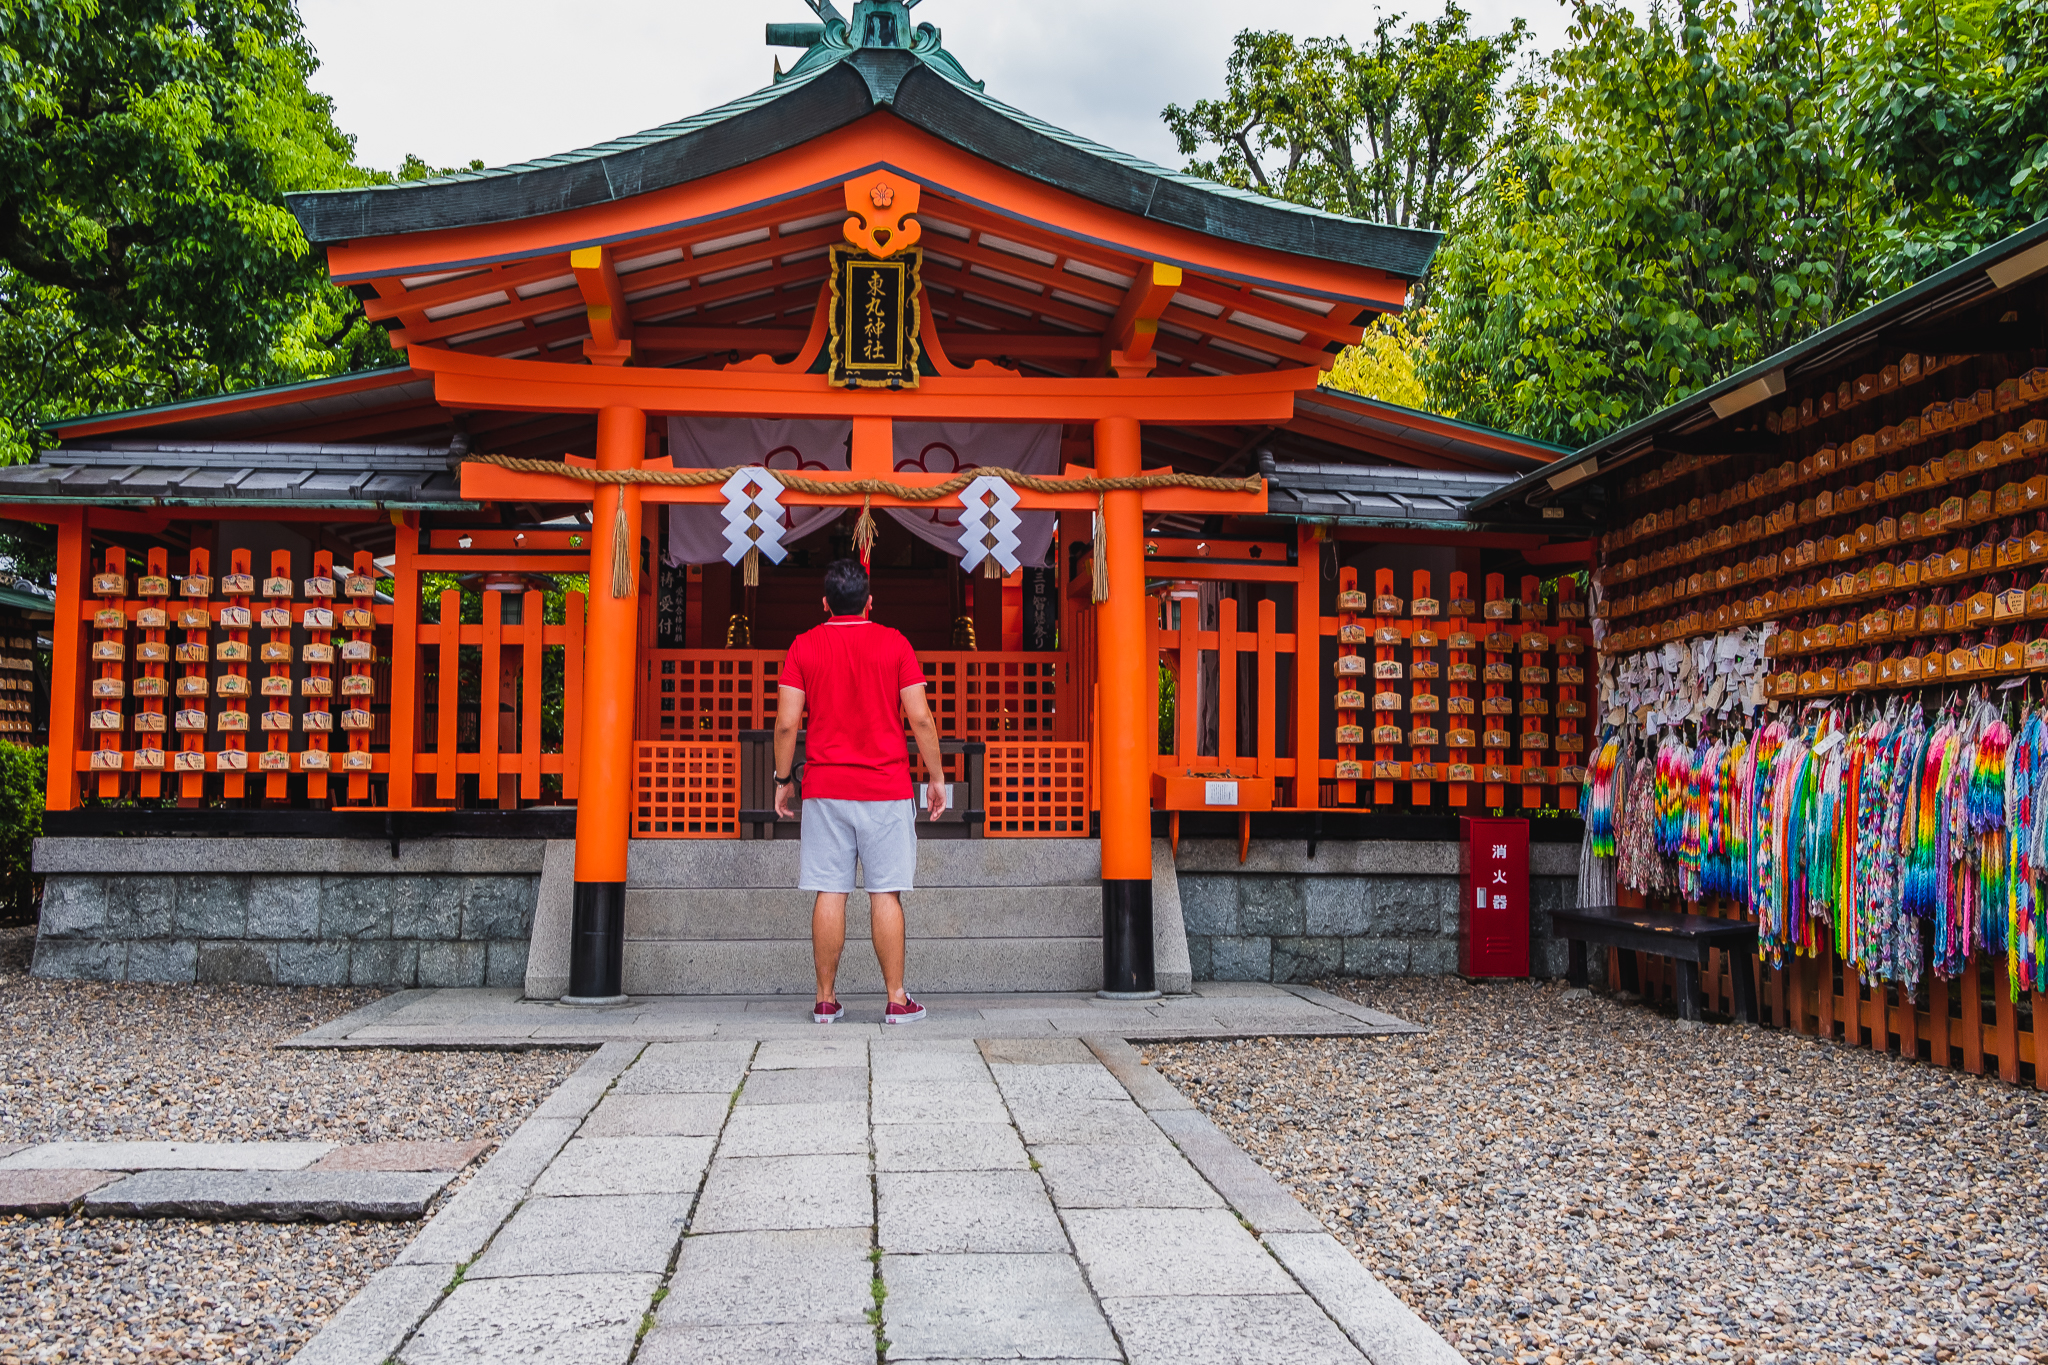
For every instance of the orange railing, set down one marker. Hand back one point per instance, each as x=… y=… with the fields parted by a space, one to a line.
x=1036 y=790
x=716 y=693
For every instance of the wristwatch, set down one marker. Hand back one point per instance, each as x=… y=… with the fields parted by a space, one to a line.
x=785 y=781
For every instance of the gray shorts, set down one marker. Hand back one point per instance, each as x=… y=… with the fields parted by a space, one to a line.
x=882 y=834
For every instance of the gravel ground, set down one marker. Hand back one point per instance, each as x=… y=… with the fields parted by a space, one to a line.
x=1549 y=1178
x=85 y=1060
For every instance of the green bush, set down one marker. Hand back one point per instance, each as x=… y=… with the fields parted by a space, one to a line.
x=22 y=774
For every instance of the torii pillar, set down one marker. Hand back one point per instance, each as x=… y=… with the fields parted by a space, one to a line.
x=604 y=803
x=1122 y=751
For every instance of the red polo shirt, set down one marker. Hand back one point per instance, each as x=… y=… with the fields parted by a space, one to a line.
x=852 y=673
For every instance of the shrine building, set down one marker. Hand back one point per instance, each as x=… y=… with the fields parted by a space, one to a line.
x=462 y=672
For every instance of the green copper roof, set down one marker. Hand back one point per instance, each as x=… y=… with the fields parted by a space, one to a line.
x=848 y=70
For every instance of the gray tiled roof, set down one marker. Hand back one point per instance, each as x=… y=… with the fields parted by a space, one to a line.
x=215 y=474
x=829 y=89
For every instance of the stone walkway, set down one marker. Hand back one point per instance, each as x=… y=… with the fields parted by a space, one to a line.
x=818 y=1195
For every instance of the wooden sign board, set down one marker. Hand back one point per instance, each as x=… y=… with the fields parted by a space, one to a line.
x=874 y=319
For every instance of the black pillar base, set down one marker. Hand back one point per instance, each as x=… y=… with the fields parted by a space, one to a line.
x=1127 y=940
x=597 y=944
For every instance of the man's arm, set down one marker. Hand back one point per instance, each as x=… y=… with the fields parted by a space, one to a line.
x=926 y=732
x=789 y=719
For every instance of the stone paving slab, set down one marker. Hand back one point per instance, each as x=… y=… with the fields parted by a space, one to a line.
x=937 y=1059
x=796 y=1129
x=815 y=1085
x=683 y=1078
x=1122 y=1176
x=1091 y=1122
x=776 y=1344
x=551 y=1320
x=792 y=1053
x=1257 y=1329
x=658 y=1116
x=167 y=1156
x=596 y=1234
x=48 y=1193
x=965 y=1211
x=402 y=1156
x=270 y=1196
x=949 y=1147
x=1172 y=1252
x=770 y=1193
x=1378 y=1323
x=1136 y=1197
x=1028 y=1306
x=370 y=1327
x=1055 y=1051
x=627 y=1165
x=1258 y=1198
x=937 y=1102
x=819 y=1275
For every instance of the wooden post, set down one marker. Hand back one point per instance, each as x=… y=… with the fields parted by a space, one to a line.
x=67 y=661
x=1268 y=647
x=195 y=620
x=237 y=585
x=1972 y=1022
x=1496 y=706
x=152 y=655
x=1307 y=744
x=1423 y=703
x=448 y=673
x=1460 y=708
x=358 y=688
x=1124 y=777
x=487 y=699
x=605 y=807
x=318 y=684
x=402 y=790
x=533 y=617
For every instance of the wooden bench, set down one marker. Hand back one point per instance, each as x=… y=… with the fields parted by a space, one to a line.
x=1685 y=939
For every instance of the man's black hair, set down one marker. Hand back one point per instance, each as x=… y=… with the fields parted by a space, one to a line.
x=846 y=587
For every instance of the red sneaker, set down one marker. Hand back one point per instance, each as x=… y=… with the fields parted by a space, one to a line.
x=909 y=1012
x=827 y=1012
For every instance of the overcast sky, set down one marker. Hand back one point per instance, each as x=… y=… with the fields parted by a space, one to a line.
x=509 y=80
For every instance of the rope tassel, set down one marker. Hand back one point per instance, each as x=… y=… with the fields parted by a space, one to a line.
x=864 y=533
x=1098 y=554
x=622 y=551
x=750 y=570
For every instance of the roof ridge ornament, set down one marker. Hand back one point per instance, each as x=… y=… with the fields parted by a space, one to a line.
x=882 y=25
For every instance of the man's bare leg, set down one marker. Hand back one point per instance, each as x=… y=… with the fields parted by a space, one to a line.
x=828 y=938
x=885 y=909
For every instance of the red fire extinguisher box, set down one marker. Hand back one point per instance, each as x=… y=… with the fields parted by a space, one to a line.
x=1493 y=926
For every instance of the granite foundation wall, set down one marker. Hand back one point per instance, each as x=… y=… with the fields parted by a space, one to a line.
x=1355 y=909
x=292 y=912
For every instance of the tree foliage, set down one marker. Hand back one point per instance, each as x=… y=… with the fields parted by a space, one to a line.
x=1394 y=130
x=1684 y=200
x=145 y=252
x=1949 y=102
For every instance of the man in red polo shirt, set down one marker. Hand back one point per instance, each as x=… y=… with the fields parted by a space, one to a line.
x=860 y=681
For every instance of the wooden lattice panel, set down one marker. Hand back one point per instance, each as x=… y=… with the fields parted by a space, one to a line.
x=686 y=791
x=716 y=693
x=1036 y=791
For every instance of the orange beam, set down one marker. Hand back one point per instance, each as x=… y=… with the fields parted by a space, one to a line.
x=604 y=304
x=1137 y=321
x=222 y=407
x=471 y=381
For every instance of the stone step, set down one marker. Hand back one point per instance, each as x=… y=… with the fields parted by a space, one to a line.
x=783 y=966
x=723 y=917
x=724 y=913
x=772 y=864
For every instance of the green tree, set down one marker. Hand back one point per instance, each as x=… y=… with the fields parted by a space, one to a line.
x=1394 y=130
x=1949 y=100
x=1684 y=197
x=145 y=251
